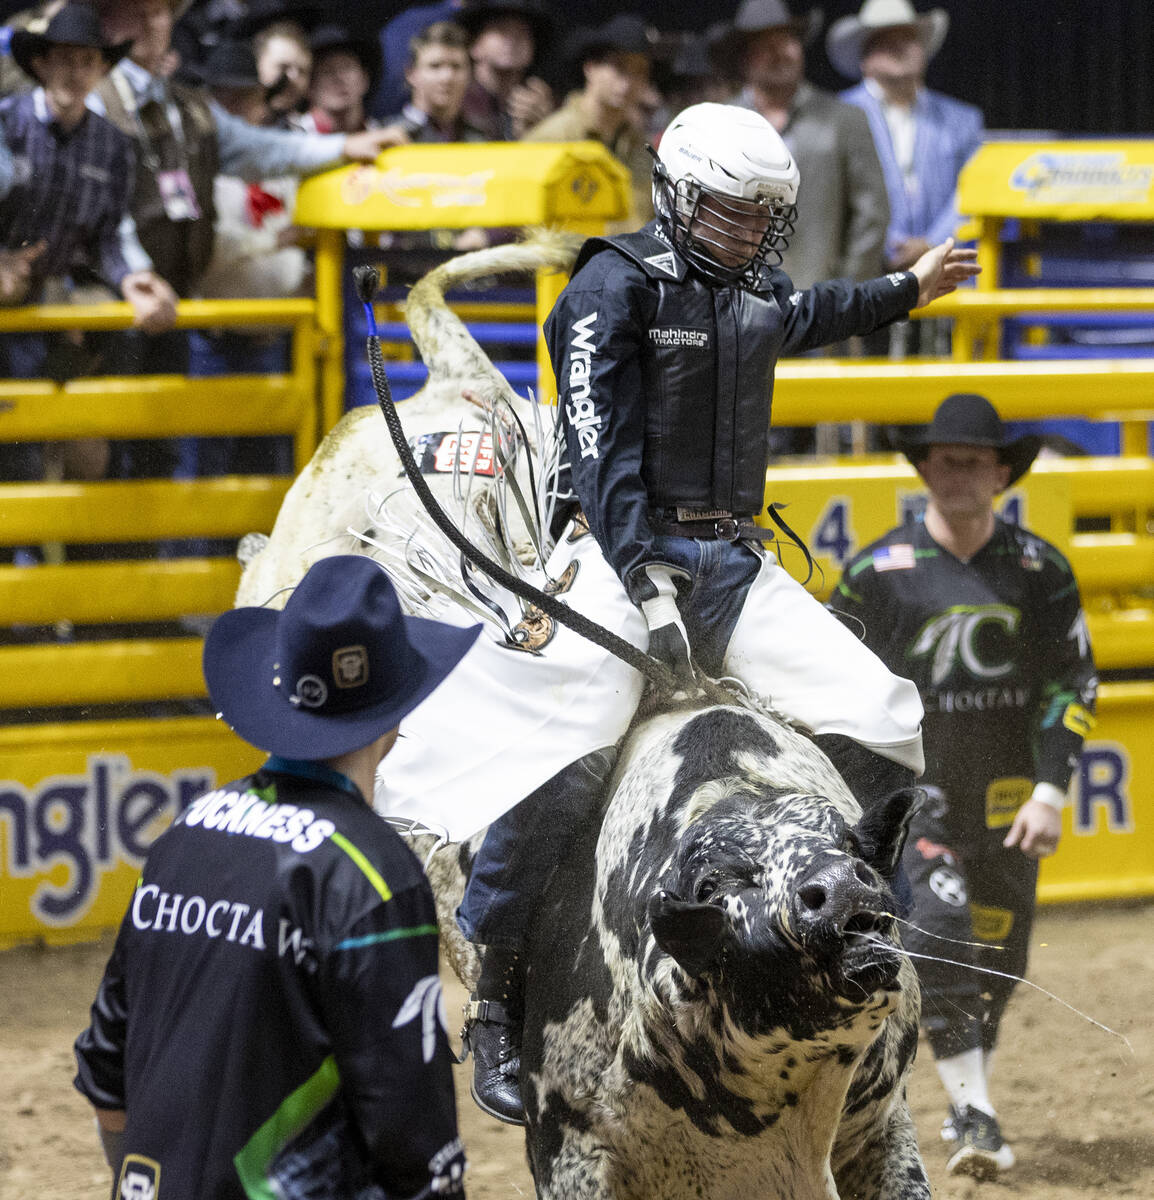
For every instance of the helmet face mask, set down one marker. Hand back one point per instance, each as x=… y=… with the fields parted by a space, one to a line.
x=725 y=187
x=728 y=239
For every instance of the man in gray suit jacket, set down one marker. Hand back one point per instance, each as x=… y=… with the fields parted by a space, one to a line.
x=843 y=210
x=841 y=232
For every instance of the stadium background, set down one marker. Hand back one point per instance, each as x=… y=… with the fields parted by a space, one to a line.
x=1058 y=65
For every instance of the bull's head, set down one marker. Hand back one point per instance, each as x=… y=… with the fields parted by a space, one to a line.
x=761 y=886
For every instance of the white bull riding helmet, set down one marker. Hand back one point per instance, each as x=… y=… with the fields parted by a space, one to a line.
x=722 y=172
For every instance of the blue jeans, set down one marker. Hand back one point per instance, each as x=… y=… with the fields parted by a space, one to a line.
x=523 y=848
x=711 y=599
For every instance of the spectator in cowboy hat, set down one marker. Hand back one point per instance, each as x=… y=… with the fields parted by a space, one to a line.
x=35 y=20
x=923 y=138
x=231 y=76
x=345 y=70
x=840 y=233
x=51 y=134
x=65 y=200
x=284 y=1037
x=504 y=99
x=202 y=26
x=615 y=62
x=843 y=212
x=255 y=254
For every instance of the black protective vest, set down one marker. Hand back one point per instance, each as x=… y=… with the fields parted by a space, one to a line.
x=707 y=370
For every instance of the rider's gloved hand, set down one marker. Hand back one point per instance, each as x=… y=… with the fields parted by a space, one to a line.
x=652 y=589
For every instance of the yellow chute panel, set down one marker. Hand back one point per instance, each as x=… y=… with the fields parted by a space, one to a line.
x=459 y=186
x=1060 y=181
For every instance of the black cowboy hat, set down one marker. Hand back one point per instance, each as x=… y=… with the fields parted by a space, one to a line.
x=626 y=33
x=260 y=14
x=229 y=65
x=73 y=25
x=366 y=50
x=966 y=419
x=336 y=668
x=532 y=12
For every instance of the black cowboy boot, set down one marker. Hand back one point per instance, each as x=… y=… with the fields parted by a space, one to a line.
x=493 y=1033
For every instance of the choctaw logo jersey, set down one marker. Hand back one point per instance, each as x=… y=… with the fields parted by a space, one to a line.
x=997 y=646
x=271 y=1016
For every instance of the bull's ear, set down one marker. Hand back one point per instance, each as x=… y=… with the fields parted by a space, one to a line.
x=883 y=828
x=689 y=933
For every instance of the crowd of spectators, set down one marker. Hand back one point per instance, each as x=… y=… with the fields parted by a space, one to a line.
x=150 y=149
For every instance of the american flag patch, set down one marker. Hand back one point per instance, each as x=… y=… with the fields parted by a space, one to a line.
x=894 y=558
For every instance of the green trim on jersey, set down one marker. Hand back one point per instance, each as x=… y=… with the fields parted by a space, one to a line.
x=267 y=794
x=367 y=869
x=296 y=1111
x=843 y=590
x=388 y=935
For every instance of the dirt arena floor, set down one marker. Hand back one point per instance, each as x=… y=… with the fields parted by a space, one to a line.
x=1076 y=1102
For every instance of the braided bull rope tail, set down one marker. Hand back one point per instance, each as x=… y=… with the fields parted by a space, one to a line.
x=367 y=282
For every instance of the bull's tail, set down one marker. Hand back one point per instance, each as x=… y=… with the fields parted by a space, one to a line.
x=449 y=350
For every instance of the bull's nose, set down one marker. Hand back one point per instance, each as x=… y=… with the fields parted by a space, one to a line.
x=840 y=898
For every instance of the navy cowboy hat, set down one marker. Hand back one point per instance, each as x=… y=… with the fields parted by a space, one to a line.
x=966 y=419
x=336 y=668
x=73 y=25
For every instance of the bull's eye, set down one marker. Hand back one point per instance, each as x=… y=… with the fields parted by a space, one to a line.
x=706 y=889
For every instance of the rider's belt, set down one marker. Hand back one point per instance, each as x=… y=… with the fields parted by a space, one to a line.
x=712 y=523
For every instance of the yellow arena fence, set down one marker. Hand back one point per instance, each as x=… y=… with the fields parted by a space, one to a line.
x=81 y=799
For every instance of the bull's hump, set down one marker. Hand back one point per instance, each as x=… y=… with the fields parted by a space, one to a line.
x=718 y=743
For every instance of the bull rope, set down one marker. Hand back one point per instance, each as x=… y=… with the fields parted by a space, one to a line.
x=368 y=281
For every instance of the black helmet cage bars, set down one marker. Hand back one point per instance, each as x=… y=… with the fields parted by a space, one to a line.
x=676 y=204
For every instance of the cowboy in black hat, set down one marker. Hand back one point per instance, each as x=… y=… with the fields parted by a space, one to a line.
x=50 y=134
x=74 y=26
x=966 y=419
x=230 y=73
x=346 y=69
x=615 y=62
x=985 y=618
x=282 y=932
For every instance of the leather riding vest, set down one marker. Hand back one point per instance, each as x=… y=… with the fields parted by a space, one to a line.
x=707 y=372
x=180 y=249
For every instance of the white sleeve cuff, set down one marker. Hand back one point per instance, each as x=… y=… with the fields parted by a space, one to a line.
x=1050 y=795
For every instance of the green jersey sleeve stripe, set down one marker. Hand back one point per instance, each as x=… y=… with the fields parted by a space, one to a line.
x=388 y=935
x=296 y=1111
x=367 y=868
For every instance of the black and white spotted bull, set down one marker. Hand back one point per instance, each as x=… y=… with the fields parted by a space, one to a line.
x=716 y=1003
x=716 y=1006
